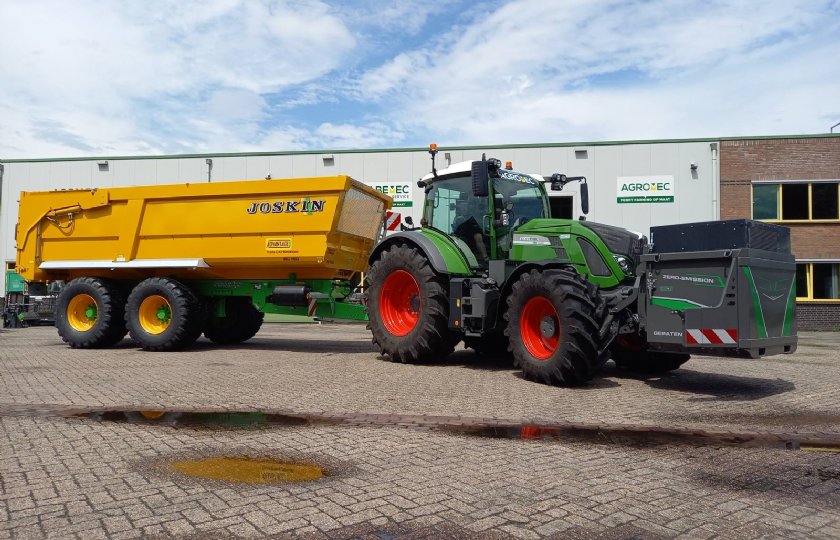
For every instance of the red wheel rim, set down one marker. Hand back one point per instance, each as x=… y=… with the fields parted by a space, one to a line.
x=539 y=310
x=399 y=303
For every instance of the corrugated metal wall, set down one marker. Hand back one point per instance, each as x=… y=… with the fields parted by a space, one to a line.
x=695 y=197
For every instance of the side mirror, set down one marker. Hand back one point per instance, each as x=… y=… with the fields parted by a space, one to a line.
x=584 y=198
x=480 y=177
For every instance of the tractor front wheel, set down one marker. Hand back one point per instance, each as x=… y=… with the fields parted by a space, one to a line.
x=407 y=306
x=553 y=324
x=163 y=314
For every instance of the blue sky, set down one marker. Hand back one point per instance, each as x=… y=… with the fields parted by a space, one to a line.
x=173 y=76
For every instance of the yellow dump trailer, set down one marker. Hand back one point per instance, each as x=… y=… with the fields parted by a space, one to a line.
x=168 y=262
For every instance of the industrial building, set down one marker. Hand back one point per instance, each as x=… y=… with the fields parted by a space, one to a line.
x=792 y=180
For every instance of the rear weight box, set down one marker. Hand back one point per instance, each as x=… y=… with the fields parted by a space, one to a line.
x=738 y=302
x=715 y=235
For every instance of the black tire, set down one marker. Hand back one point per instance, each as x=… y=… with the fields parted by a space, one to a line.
x=109 y=326
x=565 y=337
x=241 y=322
x=429 y=337
x=630 y=353
x=185 y=321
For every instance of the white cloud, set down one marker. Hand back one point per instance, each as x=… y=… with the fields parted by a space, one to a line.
x=543 y=71
x=135 y=76
x=97 y=77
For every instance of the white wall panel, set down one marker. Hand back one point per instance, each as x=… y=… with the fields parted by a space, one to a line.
x=304 y=166
x=281 y=166
x=192 y=170
x=694 y=200
x=257 y=168
x=167 y=172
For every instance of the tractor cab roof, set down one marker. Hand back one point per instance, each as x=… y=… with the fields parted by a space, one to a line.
x=465 y=168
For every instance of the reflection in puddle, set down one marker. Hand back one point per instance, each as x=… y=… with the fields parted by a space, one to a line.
x=248 y=470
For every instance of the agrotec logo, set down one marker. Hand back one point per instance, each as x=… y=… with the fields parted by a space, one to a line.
x=645 y=189
x=399 y=191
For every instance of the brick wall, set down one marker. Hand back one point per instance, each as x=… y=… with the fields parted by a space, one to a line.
x=780 y=159
x=743 y=161
x=814 y=316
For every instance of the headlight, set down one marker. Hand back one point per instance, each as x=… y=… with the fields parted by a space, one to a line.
x=625 y=264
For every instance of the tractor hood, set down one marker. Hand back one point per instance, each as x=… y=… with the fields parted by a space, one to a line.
x=618 y=240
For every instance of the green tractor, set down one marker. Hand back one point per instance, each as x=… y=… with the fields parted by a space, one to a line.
x=489 y=266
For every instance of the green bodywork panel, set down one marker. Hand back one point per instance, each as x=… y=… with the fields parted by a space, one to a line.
x=331 y=297
x=568 y=231
x=457 y=263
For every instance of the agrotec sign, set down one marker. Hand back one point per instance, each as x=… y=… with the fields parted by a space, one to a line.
x=645 y=189
x=399 y=191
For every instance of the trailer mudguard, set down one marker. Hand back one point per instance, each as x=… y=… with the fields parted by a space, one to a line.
x=440 y=251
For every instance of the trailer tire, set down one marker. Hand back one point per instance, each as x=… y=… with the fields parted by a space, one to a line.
x=241 y=322
x=163 y=314
x=632 y=354
x=408 y=306
x=90 y=313
x=552 y=323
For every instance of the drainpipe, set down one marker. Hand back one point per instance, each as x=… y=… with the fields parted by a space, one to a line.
x=715 y=180
x=209 y=163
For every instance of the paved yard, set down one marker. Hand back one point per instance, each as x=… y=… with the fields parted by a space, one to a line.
x=65 y=476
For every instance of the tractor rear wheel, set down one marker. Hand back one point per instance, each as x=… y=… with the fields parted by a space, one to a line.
x=163 y=314
x=630 y=353
x=553 y=323
x=408 y=307
x=89 y=313
x=241 y=322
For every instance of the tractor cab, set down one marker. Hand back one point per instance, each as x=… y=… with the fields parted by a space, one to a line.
x=480 y=212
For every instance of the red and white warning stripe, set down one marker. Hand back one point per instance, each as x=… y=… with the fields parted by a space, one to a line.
x=311 y=308
x=392 y=220
x=711 y=336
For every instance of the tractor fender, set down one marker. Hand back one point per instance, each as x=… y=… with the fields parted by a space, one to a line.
x=431 y=251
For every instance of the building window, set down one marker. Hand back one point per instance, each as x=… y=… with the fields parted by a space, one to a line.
x=766 y=201
x=818 y=281
x=799 y=201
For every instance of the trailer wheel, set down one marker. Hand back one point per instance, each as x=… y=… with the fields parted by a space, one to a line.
x=552 y=324
x=241 y=322
x=163 y=314
x=630 y=353
x=90 y=312
x=408 y=307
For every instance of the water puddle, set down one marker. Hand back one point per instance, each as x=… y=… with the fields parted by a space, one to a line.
x=610 y=434
x=248 y=470
x=210 y=420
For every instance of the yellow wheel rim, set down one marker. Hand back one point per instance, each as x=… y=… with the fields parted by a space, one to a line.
x=81 y=312
x=155 y=314
x=152 y=415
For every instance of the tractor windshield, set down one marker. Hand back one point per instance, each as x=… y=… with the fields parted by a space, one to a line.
x=521 y=196
x=451 y=208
